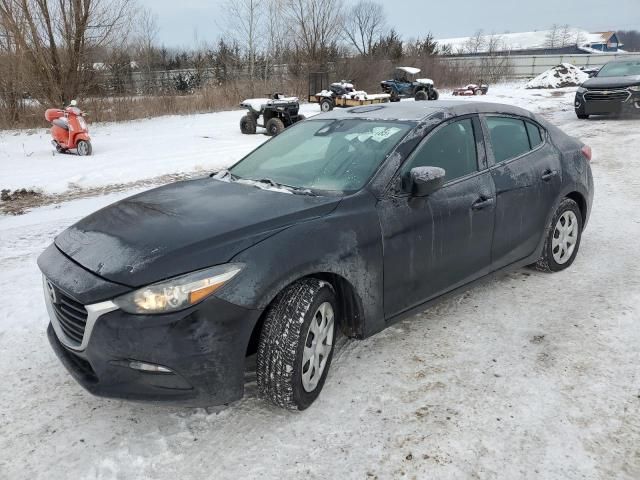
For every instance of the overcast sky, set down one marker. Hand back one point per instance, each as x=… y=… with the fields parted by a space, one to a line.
x=183 y=22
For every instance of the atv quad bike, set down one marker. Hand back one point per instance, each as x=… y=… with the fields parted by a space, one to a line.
x=405 y=85
x=278 y=113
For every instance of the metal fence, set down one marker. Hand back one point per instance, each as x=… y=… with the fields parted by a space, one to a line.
x=528 y=66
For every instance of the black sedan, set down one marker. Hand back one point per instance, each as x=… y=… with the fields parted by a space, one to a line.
x=613 y=89
x=351 y=220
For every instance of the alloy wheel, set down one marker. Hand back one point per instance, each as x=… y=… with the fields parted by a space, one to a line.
x=565 y=237
x=317 y=346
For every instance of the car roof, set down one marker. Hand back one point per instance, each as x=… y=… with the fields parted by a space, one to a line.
x=417 y=111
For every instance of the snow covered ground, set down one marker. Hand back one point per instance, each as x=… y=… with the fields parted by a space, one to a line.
x=529 y=376
x=127 y=152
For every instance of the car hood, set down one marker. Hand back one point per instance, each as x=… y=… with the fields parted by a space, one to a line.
x=182 y=227
x=612 y=82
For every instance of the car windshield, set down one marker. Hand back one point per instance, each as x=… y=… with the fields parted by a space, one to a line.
x=325 y=155
x=620 y=69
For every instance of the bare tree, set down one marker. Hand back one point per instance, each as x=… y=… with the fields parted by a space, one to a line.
x=564 y=36
x=12 y=75
x=245 y=24
x=364 y=23
x=317 y=25
x=552 y=37
x=475 y=44
x=57 y=38
x=630 y=40
x=147 y=52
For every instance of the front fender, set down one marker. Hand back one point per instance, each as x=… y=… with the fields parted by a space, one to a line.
x=347 y=243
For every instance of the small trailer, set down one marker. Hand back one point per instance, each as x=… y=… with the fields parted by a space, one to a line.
x=339 y=94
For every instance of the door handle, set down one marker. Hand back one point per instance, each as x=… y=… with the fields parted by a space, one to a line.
x=482 y=202
x=549 y=174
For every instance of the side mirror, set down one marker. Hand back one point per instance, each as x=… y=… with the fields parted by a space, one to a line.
x=423 y=181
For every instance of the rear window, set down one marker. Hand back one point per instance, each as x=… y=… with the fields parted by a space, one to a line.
x=509 y=137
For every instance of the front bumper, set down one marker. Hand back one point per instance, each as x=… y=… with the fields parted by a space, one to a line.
x=204 y=347
x=585 y=106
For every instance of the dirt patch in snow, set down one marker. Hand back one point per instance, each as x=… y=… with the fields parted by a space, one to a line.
x=20 y=201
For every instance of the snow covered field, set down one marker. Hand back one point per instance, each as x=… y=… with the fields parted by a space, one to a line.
x=528 y=376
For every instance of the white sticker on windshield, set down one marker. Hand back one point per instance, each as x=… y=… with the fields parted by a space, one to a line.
x=377 y=134
x=382 y=133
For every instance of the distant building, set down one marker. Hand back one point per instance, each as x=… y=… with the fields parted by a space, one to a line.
x=543 y=42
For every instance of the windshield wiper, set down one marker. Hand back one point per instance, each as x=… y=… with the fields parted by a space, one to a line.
x=294 y=189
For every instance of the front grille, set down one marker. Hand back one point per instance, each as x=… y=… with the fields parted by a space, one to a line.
x=607 y=95
x=71 y=315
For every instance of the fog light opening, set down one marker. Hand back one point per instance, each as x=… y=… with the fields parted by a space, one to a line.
x=148 y=367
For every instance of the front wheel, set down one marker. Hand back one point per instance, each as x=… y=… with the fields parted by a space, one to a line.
x=434 y=95
x=296 y=344
x=563 y=238
x=84 y=148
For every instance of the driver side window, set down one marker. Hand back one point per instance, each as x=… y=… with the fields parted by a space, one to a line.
x=452 y=147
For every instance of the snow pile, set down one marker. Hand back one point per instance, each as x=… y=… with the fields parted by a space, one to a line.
x=563 y=75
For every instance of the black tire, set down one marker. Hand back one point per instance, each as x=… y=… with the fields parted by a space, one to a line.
x=301 y=118
x=435 y=95
x=421 y=95
x=248 y=124
x=547 y=262
x=394 y=98
x=477 y=92
x=274 y=127
x=84 y=148
x=282 y=343
x=326 y=105
x=582 y=116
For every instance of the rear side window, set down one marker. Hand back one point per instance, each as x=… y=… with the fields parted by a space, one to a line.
x=452 y=147
x=509 y=137
x=535 y=138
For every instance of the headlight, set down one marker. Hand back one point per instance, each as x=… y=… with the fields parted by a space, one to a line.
x=635 y=88
x=178 y=293
x=581 y=90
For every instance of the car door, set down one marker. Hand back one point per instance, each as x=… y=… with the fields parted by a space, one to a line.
x=435 y=243
x=526 y=172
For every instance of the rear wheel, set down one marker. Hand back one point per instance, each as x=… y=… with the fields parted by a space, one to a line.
x=434 y=94
x=84 y=148
x=248 y=124
x=296 y=344
x=326 y=105
x=563 y=238
x=421 y=95
x=274 y=127
x=478 y=91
